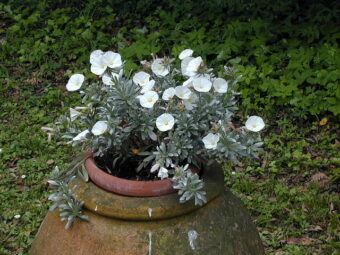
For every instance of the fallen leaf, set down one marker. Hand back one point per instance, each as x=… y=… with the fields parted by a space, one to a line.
x=301 y=241
x=323 y=122
x=320 y=179
x=50 y=162
x=314 y=229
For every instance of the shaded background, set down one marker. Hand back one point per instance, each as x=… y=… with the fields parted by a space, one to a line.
x=287 y=52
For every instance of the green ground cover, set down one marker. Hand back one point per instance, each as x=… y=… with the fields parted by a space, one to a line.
x=287 y=52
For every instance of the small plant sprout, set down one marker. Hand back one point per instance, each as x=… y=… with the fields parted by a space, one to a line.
x=167 y=118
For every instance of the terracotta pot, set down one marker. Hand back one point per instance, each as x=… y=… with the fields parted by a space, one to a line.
x=127 y=187
x=122 y=225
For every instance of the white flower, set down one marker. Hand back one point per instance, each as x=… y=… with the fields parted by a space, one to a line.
x=109 y=80
x=182 y=92
x=112 y=59
x=148 y=87
x=1 y=150
x=98 y=66
x=159 y=68
x=141 y=78
x=81 y=136
x=201 y=84
x=148 y=99
x=190 y=102
x=163 y=173
x=255 y=123
x=168 y=94
x=154 y=168
x=74 y=114
x=99 y=128
x=75 y=82
x=210 y=141
x=95 y=55
x=188 y=82
x=165 y=122
x=220 y=85
x=184 y=66
x=193 y=66
x=185 y=53
x=23 y=176
x=18 y=216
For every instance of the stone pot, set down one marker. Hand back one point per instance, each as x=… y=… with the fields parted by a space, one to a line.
x=122 y=225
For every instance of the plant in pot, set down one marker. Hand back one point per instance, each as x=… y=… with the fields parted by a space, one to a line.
x=151 y=133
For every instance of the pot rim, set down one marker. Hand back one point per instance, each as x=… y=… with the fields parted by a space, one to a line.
x=118 y=206
x=127 y=187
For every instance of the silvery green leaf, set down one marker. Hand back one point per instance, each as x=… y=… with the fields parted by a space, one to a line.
x=152 y=135
x=82 y=172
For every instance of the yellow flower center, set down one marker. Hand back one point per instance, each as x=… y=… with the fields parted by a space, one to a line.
x=149 y=100
x=160 y=68
x=166 y=123
x=254 y=125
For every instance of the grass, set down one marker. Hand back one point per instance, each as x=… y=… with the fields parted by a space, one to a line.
x=291 y=192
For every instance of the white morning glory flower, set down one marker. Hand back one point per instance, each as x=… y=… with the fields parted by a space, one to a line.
x=163 y=173
x=255 y=123
x=18 y=216
x=112 y=59
x=182 y=92
x=190 y=102
x=148 y=87
x=148 y=99
x=193 y=66
x=95 y=55
x=168 y=94
x=159 y=68
x=184 y=66
x=75 y=82
x=81 y=136
x=141 y=78
x=201 y=84
x=165 y=122
x=210 y=141
x=109 y=79
x=185 y=53
x=220 y=85
x=98 y=66
x=99 y=128
x=74 y=114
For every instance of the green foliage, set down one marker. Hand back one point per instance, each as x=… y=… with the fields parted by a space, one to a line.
x=287 y=52
x=292 y=191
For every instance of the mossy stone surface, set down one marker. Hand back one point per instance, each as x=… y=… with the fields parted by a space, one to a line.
x=223 y=226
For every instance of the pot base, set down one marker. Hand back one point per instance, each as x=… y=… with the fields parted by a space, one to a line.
x=222 y=227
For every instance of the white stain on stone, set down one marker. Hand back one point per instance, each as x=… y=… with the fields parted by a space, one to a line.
x=95 y=209
x=150 y=212
x=192 y=236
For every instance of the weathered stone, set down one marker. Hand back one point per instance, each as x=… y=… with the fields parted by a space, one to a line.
x=154 y=225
